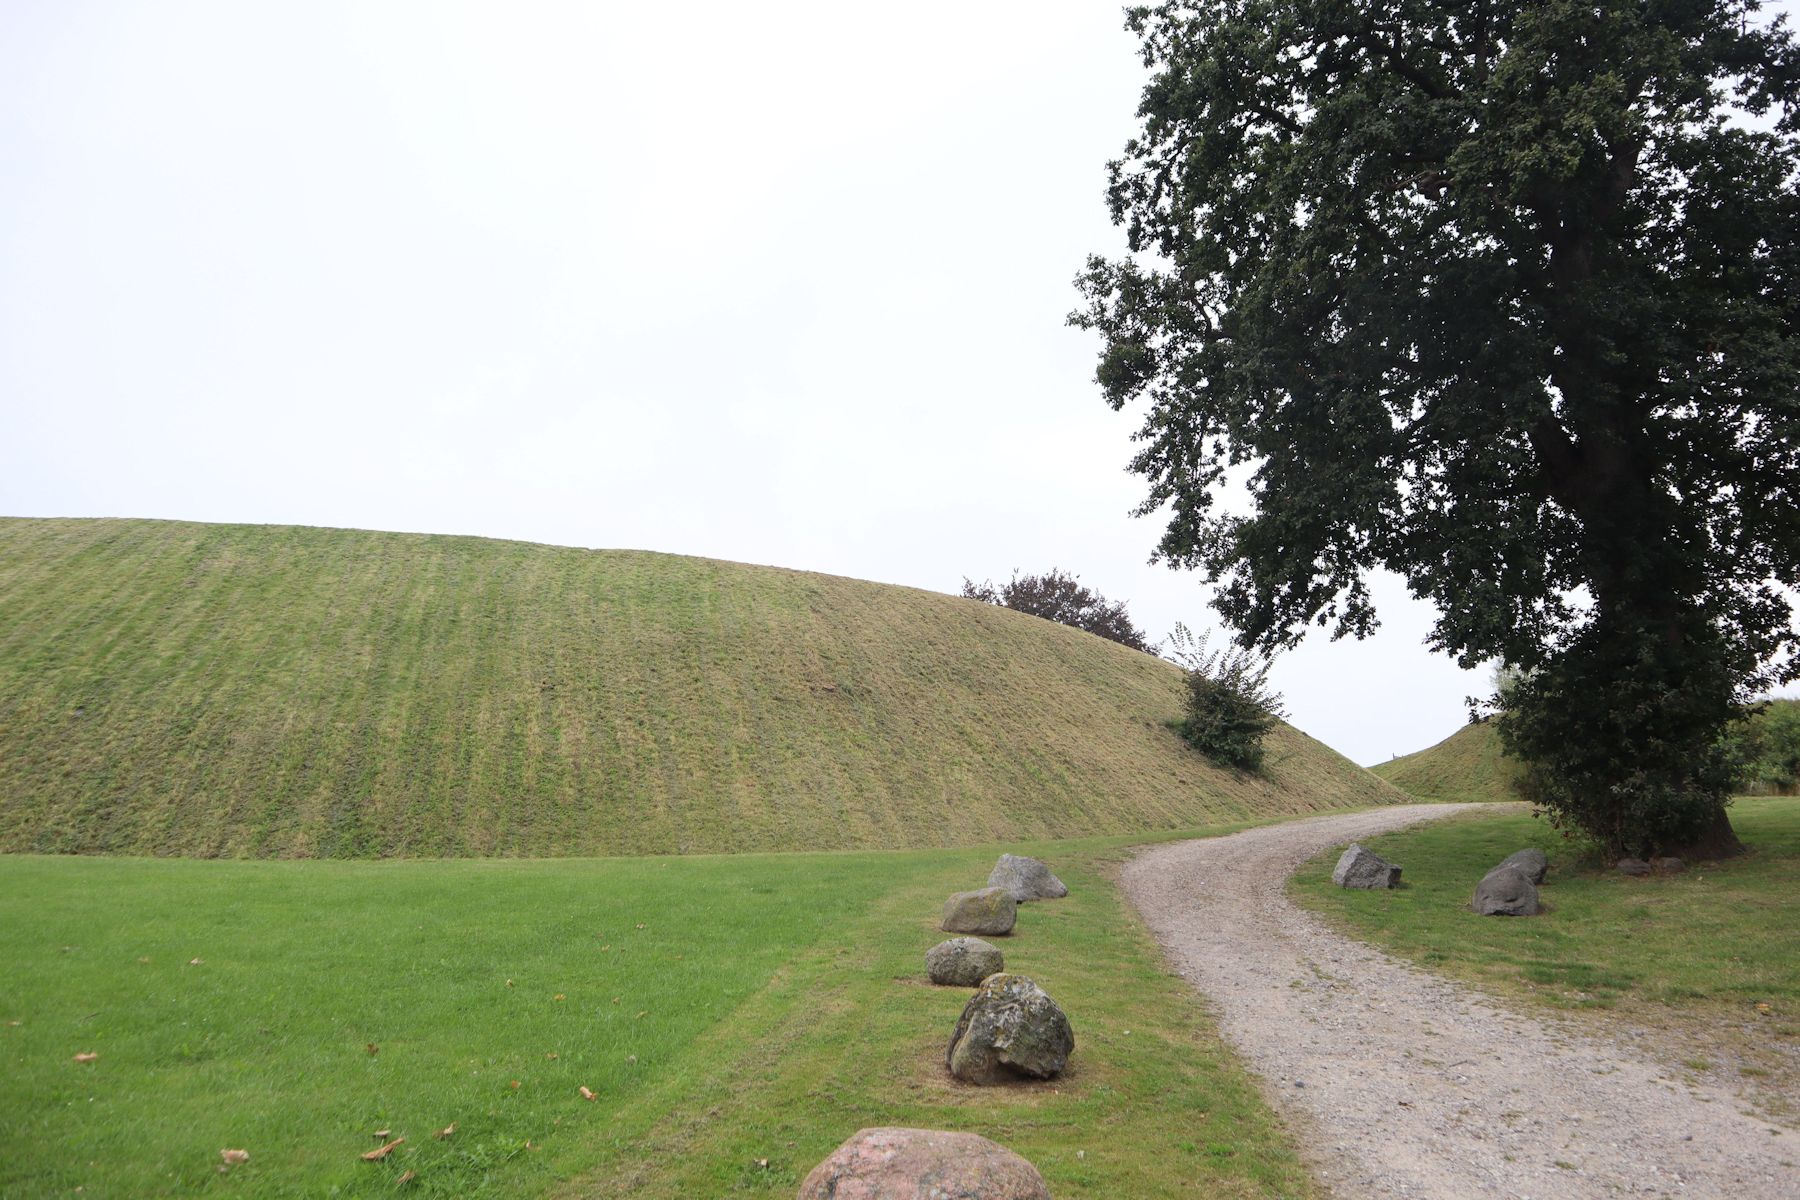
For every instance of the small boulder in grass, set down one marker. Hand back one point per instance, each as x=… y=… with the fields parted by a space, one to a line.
x=922 y=1164
x=1009 y=1028
x=1531 y=862
x=1361 y=868
x=1026 y=878
x=1506 y=892
x=963 y=962
x=1633 y=866
x=990 y=911
x=1668 y=866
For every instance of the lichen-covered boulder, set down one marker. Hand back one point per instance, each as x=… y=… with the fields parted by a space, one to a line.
x=1506 y=892
x=923 y=1164
x=1026 y=879
x=1010 y=1027
x=1360 y=868
x=963 y=962
x=1531 y=863
x=988 y=910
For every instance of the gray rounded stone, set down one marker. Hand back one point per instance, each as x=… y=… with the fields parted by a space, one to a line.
x=1010 y=1027
x=1361 y=868
x=1506 y=892
x=988 y=910
x=1026 y=879
x=963 y=962
x=1530 y=862
x=1633 y=866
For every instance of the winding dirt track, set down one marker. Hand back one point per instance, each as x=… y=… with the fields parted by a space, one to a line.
x=1403 y=1084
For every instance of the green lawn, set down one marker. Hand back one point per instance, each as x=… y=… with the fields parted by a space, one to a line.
x=728 y=1012
x=1712 y=954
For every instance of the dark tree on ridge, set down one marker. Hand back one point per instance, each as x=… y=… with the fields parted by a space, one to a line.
x=1061 y=597
x=1500 y=295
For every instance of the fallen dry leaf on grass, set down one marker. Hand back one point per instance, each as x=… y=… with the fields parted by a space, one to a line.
x=372 y=1048
x=640 y=924
x=560 y=996
x=194 y=962
x=762 y=1164
x=515 y=1085
x=406 y=1178
x=86 y=1056
x=445 y=1132
x=234 y=1157
x=382 y=1133
x=587 y=1095
x=381 y=1152
x=144 y=959
x=509 y=983
x=641 y=1015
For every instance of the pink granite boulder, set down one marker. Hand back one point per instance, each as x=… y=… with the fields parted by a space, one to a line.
x=923 y=1164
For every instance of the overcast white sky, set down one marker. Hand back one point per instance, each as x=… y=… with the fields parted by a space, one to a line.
x=781 y=283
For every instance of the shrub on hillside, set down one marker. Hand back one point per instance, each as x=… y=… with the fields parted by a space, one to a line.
x=1060 y=597
x=1230 y=705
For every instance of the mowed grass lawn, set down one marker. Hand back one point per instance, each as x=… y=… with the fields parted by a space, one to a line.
x=1712 y=954
x=736 y=1017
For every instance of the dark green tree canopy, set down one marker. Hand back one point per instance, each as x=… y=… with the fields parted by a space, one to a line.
x=1500 y=295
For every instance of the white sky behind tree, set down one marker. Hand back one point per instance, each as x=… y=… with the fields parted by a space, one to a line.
x=777 y=283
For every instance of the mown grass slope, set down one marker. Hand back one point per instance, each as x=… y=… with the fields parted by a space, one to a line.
x=1466 y=766
x=264 y=691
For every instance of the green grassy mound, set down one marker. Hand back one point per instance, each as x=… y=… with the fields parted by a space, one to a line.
x=256 y=691
x=1466 y=766
x=736 y=1017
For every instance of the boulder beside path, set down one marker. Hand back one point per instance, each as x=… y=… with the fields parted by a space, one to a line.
x=1358 y=867
x=963 y=962
x=1531 y=862
x=1506 y=892
x=922 y=1164
x=1026 y=879
x=988 y=910
x=1009 y=1028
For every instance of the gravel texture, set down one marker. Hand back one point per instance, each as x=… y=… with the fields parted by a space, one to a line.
x=1400 y=1083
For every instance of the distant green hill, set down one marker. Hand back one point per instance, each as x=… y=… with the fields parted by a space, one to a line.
x=269 y=691
x=1466 y=766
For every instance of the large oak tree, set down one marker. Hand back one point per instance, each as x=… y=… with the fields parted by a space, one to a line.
x=1501 y=295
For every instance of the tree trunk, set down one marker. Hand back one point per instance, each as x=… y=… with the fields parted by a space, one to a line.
x=1717 y=840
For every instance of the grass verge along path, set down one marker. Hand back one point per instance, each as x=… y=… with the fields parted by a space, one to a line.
x=1710 y=957
x=736 y=1018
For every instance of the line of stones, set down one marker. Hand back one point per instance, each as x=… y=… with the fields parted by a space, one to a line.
x=1010 y=1029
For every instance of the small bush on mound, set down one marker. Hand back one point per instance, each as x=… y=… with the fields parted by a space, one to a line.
x=1060 y=597
x=1230 y=705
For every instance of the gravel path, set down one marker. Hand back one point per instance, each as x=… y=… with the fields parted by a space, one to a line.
x=1404 y=1084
